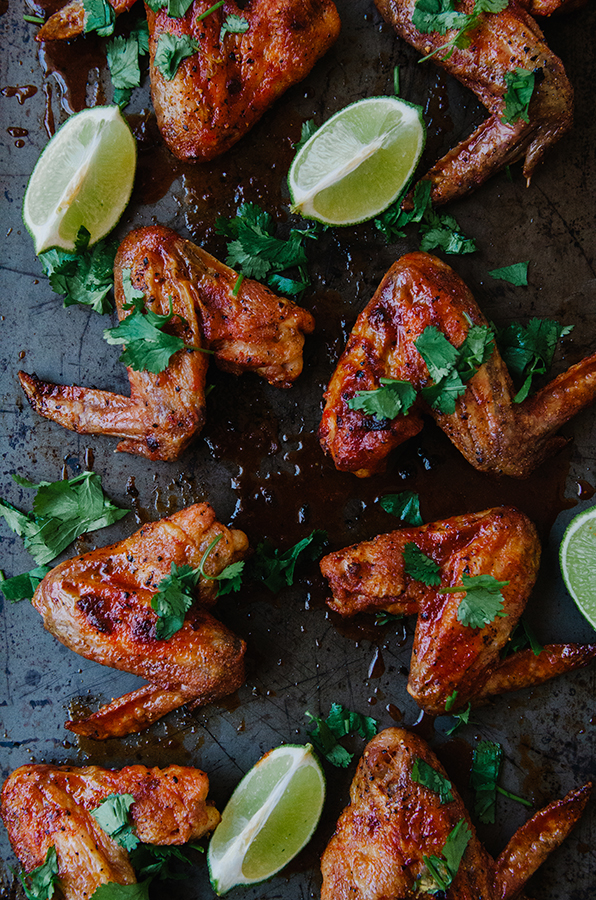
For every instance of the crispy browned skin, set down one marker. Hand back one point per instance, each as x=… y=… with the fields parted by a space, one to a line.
x=50 y=806
x=256 y=331
x=493 y=433
x=392 y=822
x=448 y=656
x=99 y=605
x=69 y=21
x=500 y=43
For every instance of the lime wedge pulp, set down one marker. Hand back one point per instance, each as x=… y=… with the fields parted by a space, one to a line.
x=269 y=818
x=84 y=177
x=577 y=556
x=358 y=162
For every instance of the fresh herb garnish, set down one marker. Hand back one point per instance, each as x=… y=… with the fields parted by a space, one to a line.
x=85 y=276
x=523 y=636
x=34 y=20
x=229 y=579
x=387 y=401
x=99 y=16
x=392 y=222
x=113 y=891
x=528 y=350
x=275 y=569
x=62 y=511
x=450 y=700
x=483 y=600
x=461 y=718
x=40 y=884
x=520 y=87
x=441 y=870
x=233 y=25
x=171 y=51
x=420 y=566
x=441 y=16
x=306 y=132
x=386 y=618
x=486 y=765
x=22 y=587
x=155 y=861
x=123 y=60
x=424 y=774
x=338 y=724
x=451 y=367
x=516 y=274
x=405 y=506
x=112 y=815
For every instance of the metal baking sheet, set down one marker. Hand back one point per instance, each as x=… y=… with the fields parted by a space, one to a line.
x=257 y=461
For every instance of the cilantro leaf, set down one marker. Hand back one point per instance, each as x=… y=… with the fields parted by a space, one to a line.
x=62 y=511
x=155 y=861
x=113 y=891
x=475 y=350
x=441 y=230
x=85 y=276
x=436 y=16
x=233 y=25
x=440 y=871
x=173 y=599
x=405 y=506
x=386 y=618
x=520 y=87
x=450 y=700
x=437 y=352
x=229 y=579
x=307 y=131
x=275 y=569
x=486 y=764
x=424 y=774
x=338 y=724
x=451 y=367
x=444 y=393
x=420 y=566
x=40 y=884
x=171 y=51
x=461 y=718
x=22 y=587
x=98 y=16
x=123 y=61
x=112 y=815
x=178 y=8
x=529 y=350
x=483 y=600
x=387 y=401
x=326 y=742
x=523 y=636
x=516 y=274
x=394 y=219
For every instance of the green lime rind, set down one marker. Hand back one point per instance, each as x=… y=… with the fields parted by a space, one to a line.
x=577 y=557
x=358 y=162
x=269 y=818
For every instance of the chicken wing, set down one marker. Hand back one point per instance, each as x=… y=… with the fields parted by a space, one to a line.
x=452 y=663
x=47 y=806
x=393 y=824
x=494 y=434
x=500 y=43
x=255 y=331
x=99 y=605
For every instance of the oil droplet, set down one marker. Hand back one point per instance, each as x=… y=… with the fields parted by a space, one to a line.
x=21 y=91
x=395 y=713
x=377 y=666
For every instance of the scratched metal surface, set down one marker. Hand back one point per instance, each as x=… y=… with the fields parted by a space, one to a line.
x=298 y=658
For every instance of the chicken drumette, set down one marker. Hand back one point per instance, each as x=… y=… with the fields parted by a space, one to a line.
x=500 y=44
x=47 y=806
x=454 y=663
x=494 y=434
x=99 y=605
x=255 y=331
x=393 y=822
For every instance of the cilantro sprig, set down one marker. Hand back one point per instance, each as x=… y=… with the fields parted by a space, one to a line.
x=171 y=51
x=522 y=636
x=99 y=16
x=276 y=569
x=484 y=775
x=150 y=861
x=84 y=277
x=233 y=25
x=40 y=884
x=461 y=718
x=339 y=723
x=516 y=274
x=112 y=815
x=441 y=870
x=404 y=505
x=483 y=600
x=451 y=367
x=424 y=774
x=520 y=87
x=22 y=587
x=420 y=566
x=441 y=16
x=123 y=55
x=528 y=350
x=307 y=130
x=387 y=401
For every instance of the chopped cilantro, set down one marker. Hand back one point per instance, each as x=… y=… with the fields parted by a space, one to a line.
x=85 y=276
x=396 y=80
x=173 y=599
x=405 y=506
x=516 y=274
x=421 y=567
x=461 y=718
x=451 y=367
x=441 y=16
x=338 y=724
x=99 y=16
x=387 y=401
x=123 y=60
x=528 y=350
x=424 y=774
x=437 y=352
x=520 y=87
x=113 y=891
x=233 y=25
x=441 y=230
x=392 y=222
x=486 y=765
x=34 y=20
x=155 y=861
x=307 y=131
x=171 y=51
x=62 y=511
x=228 y=580
x=40 y=884
x=523 y=636
x=483 y=600
x=450 y=700
x=386 y=618
x=22 y=587
x=112 y=815
x=276 y=569
x=441 y=870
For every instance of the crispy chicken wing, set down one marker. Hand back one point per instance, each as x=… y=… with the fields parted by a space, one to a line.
x=494 y=434
x=50 y=806
x=447 y=655
x=500 y=44
x=255 y=331
x=99 y=605
x=393 y=822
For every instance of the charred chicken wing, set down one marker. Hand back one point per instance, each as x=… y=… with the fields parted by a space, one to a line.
x=99 y=605
x=255 y=331
x=394 y=825
x=51 y=806
x=494 y=434
x=454 y=663
x=500 y=43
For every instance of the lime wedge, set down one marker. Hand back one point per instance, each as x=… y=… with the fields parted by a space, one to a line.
x=577 y=556
x=269 y=818
x=358 y=162
x=83 y=177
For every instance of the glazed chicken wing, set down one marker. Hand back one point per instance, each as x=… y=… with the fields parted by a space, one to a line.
x=255 y=331
x=500 y=44
x=99 y=605
x=50 y=806
x=393 y=822
x=453 y=663
x=494 y=434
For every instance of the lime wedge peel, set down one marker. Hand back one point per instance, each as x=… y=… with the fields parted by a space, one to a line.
x=577 y=557
x=358 y=162
x=84 y=177
x=270 y=817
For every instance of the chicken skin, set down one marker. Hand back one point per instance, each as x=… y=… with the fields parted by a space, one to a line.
x=393 y=822
x=453 y=663
x=255 y=331
x=500 y=44
x=47 y=806
x=494 y=434
x=99 y=605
